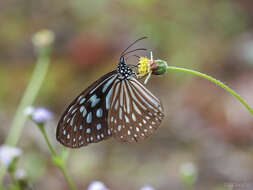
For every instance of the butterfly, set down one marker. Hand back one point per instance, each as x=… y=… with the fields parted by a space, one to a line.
x=115 y=105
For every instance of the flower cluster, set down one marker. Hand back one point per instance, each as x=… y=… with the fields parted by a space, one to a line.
x=147 y=187
x=8 y=154
x=38 y=115
x=98 y=185
x=149 y=66
x=144 y=66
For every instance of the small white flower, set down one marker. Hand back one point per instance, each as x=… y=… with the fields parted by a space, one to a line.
x=43 y=38
x=7 y=154
x=147 y=187
x=29 y=110
x=97 y=185
x=188 y=169
x=41 y=115
x=20 y=174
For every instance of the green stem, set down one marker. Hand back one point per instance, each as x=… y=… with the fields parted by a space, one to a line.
x=2 y=172
x=58 y=161
x=30 y=94
x=13 y=179
x=217 y=82
x=68 y=178
x=43 y=131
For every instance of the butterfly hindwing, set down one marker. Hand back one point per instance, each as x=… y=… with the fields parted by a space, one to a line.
x=135 y=113
x=85 y=119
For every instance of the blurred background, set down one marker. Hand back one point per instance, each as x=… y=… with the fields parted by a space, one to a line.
x=203 y=124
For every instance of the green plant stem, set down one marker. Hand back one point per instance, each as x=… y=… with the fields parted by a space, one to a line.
x=68 y=178
x=2 y=172
x=43 y=131
x=14 y=181
x=58 y=161
x=30 y=94
x=217 y=82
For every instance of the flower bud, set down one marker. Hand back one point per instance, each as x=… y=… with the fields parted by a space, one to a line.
x=97 y=185
x=188 y=174
x=147 y=187
x=41 y=115
x=43 y=38
x=8 y=154
x=159 y=67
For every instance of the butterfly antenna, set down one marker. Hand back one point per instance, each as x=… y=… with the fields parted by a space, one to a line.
x=138 y=49
x=137 y=56
x=142 y=38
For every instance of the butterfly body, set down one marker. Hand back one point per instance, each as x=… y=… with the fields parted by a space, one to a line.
x=115 y=105
x=123 y=70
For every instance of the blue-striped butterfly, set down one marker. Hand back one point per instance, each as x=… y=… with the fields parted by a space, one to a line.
x=115 y=105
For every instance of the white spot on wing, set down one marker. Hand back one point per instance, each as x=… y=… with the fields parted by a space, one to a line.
x=89 y=118
x=94 y=100
x=121 y=92
x=127 y=119
x=133 y=117
x=74 y=110
x=100 y=84
x=147 y=117
x=88 y=130
x=82 y=101
x=108 y=84
x=108 y=99
x=116 y=90
x=116 y=105
x=99 y=126
x=84 y=112
x=72 y=120
x=136 y=109
x=99 y=113
x=120 y=113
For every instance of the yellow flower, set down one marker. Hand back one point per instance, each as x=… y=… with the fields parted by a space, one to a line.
x=149 y=66
x=144 y=66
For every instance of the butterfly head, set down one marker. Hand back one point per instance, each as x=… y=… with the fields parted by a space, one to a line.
x=123 y=70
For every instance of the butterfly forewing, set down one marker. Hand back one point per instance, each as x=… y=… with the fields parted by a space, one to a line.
x=135 y=113
x=85 y=120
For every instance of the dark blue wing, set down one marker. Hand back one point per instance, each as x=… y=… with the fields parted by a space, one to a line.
x=85 y=119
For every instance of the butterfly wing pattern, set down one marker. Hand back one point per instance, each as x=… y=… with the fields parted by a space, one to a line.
x=135 y=113
x=85 y=119
x=115 y=105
